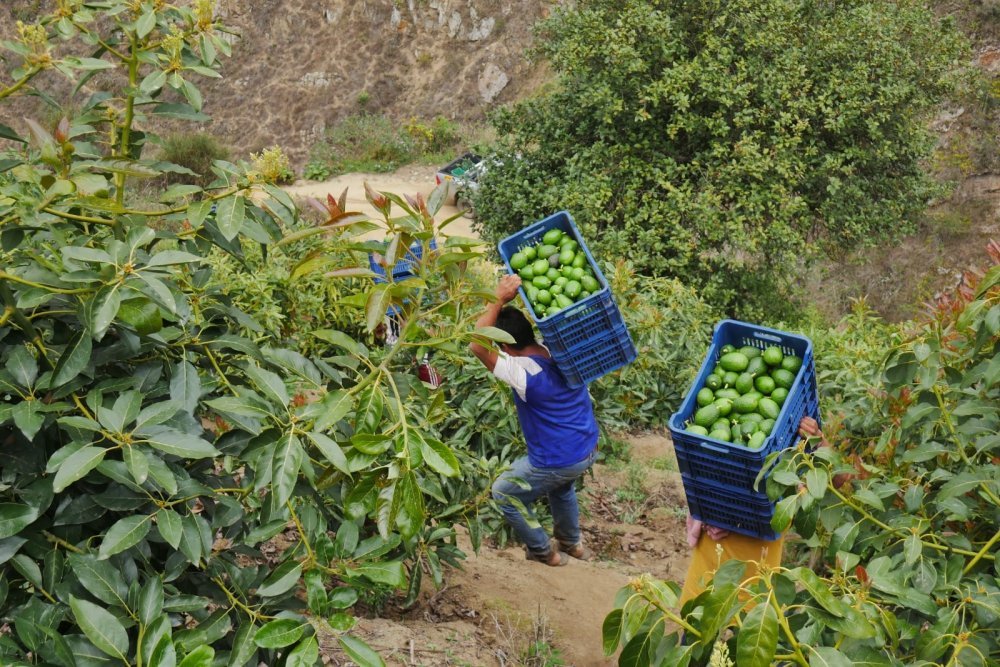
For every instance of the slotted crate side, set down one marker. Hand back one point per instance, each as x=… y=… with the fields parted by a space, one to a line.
x=589 y=362
x=737 y=511
x=403 y=268
x=735 y=465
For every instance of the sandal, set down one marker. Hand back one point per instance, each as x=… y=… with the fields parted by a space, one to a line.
x=552 y=558
x=577 y=551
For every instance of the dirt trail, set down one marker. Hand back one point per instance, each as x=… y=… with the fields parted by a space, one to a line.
x=496 y=607
x=408 y=180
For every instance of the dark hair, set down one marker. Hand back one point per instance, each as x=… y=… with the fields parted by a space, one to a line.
x=513 y=321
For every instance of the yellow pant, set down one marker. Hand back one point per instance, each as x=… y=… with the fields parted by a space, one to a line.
x=705 y=561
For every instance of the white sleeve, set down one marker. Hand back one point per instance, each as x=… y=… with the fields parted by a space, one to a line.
x=512 y=373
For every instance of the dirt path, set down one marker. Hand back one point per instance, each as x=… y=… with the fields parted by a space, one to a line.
x=408 y=180
x=499 y=606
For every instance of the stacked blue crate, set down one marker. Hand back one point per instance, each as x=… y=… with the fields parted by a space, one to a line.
x=589 y=338
x=719 y=476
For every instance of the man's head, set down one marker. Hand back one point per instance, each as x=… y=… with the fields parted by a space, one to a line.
x=513 y=321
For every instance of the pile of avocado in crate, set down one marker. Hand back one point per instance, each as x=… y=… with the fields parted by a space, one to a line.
x=568 y=299
x=742 y=396
x=554 y=273
x=754 y=387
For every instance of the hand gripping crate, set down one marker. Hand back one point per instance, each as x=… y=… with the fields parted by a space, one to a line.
x=736 y=467
x=404 y=266
x=589 y=338
x=742 y=512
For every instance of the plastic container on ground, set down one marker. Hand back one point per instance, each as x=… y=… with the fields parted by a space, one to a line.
x=741 y=512
x=585 y=337
x=404 y=266
x=706 y=459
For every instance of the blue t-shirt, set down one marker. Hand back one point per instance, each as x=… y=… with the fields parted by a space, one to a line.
x=557 y=420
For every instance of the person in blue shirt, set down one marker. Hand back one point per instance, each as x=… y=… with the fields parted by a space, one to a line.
x=559 y=428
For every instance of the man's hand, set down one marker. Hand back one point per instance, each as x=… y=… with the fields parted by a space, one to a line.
x=507 y=288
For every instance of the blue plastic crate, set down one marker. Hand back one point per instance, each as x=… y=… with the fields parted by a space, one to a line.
x=736 y=466
x=587 y=320
x=404 y=267
x=741 y=512
x=583 y=364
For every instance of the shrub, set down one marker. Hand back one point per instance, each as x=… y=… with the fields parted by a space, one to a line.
x=196 y=151
x=721 y=142
x=364 y=142
x=903 y=559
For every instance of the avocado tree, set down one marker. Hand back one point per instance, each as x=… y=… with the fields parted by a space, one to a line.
x=149 y=453
x=905 y=566
x=720 y=142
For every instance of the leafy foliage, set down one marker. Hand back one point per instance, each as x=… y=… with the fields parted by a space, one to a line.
x=150 y=449
x=720 y=142
x=908 y=549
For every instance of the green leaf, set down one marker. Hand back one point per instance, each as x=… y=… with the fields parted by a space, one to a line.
x=28 y=417
x=137 y=464
x=336 y=406
x=407 y=506
x=377 y=305
x=73 y=360
x=168 y=523
x=494 y=334
x=343 y=597
x=816 y=481
x=611 y=630
x=101 y=310
x=758 y=639
x=185 y=386
x=826 y=656
x=439 y=457
x=150 y=600
x=229 y=215
x=101 y=627
x=125 y=534
x=818 y=590
x=390 y=573
x=340 y=339
x=280 y=633
x=22 y=366
x=281 y=580
x=200 y=657
x=331 y=452
x=180 y=444
x=243 y=646
x=360 y=652
x=270 y=383
x=14 y=518
x=285 y=467
x=784 y=510
x=963 y=483
x=145 y=24
x=77 y=465
x=7 y=133
x=305 y=654
x=142 y=315
x=101 y=579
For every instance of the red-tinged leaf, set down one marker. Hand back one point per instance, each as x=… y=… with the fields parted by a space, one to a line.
x=862 y=574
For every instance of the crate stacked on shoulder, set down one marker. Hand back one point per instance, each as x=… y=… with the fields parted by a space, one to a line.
x=754 y=387
x=569 y=299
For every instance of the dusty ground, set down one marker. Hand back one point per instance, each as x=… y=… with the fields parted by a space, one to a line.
x=497 y=607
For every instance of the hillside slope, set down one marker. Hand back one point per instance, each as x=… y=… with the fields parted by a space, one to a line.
x=302 y=66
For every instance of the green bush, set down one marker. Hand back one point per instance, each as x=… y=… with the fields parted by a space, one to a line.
x=722 y=142
x=902 y=557
x=363 y=142
x=671 y=327
x=196 y=151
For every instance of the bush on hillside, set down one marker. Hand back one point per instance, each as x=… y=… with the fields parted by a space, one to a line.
x=720 y=142
x=196 y=151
